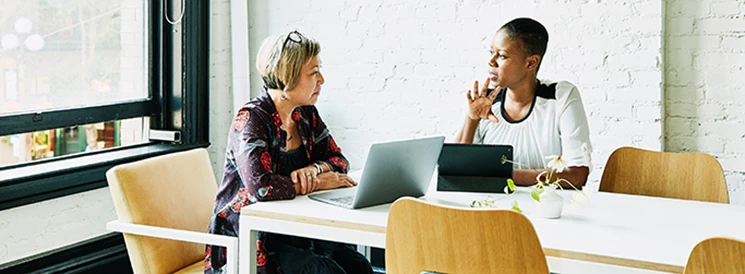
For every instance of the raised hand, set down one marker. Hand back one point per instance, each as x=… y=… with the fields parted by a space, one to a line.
x=479 y=104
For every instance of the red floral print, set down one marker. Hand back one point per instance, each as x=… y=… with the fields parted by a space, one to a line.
x=266 y=160
x=277 y=125
x=338 y=162
x=333 y=145
x=240 y=120
x=277 y=120
x=260 y=254
x=296 y=116
x=207 y=262
x=240 y=200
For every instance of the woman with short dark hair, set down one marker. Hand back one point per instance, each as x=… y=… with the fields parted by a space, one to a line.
x=539 y=118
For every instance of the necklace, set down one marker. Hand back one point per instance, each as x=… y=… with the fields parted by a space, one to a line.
x=286 y=127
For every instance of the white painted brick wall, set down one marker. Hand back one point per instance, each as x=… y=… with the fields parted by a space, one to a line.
x=705 y=103
x=221 y=88
x=40 y=227
x=437 y=48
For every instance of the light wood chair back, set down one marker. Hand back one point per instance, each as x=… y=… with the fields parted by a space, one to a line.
x=717 y=256
x=680 y=175
x=172 y=191
x=423 y=237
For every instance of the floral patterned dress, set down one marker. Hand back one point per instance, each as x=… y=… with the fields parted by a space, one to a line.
x=254 y=145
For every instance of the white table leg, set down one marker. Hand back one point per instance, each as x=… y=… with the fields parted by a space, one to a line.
x=562 y=265
x=364 y=250
x=232 y=258
x=251 y=256
x=247 y=242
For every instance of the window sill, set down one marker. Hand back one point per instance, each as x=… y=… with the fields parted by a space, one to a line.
x=31 y=183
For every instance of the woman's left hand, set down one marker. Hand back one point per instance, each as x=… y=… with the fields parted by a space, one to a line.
x=306 y=177
x=332 y=180
x=479 y=104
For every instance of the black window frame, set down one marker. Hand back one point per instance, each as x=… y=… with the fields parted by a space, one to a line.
x=178 y=100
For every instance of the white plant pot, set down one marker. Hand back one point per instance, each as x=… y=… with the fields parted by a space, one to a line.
x=551 y=203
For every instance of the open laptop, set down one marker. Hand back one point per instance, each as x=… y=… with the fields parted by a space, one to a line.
x=392 y=170
x=474 y=168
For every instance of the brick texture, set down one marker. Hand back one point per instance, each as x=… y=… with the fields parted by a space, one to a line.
x=704 y=101
x=397 y=69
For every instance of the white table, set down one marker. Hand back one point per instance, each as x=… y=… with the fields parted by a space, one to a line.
x=612 y=233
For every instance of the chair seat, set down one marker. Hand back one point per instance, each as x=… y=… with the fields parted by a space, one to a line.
x=196 y=268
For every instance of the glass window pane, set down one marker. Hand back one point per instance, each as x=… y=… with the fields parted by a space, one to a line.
x=20 y=148
x=71 y=53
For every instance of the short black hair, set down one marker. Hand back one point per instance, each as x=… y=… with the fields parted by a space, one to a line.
x=530 y=33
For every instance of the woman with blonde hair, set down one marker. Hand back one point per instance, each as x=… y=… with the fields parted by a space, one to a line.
x=278 y=147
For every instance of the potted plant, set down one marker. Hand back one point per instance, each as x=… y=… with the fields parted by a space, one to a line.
x=550 y=203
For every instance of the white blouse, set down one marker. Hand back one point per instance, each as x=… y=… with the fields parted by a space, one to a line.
x=555 y=125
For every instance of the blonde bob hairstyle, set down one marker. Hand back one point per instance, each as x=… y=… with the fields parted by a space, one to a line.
x=280 y=59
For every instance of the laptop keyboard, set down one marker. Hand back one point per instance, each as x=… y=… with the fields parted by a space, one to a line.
x=346 y=200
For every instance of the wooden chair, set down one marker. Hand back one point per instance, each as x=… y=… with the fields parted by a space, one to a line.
x=164 y=205
x=680 y=175
x=717 y=256
x=423 y=237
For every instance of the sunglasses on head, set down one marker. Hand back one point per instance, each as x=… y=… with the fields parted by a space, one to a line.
x=294 y=36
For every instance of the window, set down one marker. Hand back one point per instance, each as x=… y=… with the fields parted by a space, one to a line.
x=45 y=144
x=73 y=53
x=83 y=81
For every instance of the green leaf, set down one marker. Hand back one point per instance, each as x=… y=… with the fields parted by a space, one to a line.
x=516 y=207
x=511 y=184
x=534 y=192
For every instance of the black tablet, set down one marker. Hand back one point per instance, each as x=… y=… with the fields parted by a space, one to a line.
x=474 y=168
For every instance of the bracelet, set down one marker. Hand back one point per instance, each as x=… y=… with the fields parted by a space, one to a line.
x=318 y=168
x=328 y=166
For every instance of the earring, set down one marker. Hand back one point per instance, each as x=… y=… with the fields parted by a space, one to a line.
x=284 y=95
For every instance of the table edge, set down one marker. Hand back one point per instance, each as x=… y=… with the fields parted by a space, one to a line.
x=602 y=259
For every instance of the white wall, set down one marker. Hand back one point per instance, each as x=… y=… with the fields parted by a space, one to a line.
x=39 y=227
x=705 y=84
x=397 y=69
x=221 y=79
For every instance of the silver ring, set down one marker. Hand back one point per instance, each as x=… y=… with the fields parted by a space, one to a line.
x=308 y=174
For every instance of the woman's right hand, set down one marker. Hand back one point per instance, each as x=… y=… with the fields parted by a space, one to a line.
x=479 y=104
x=332 y=180
x=306 y=179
